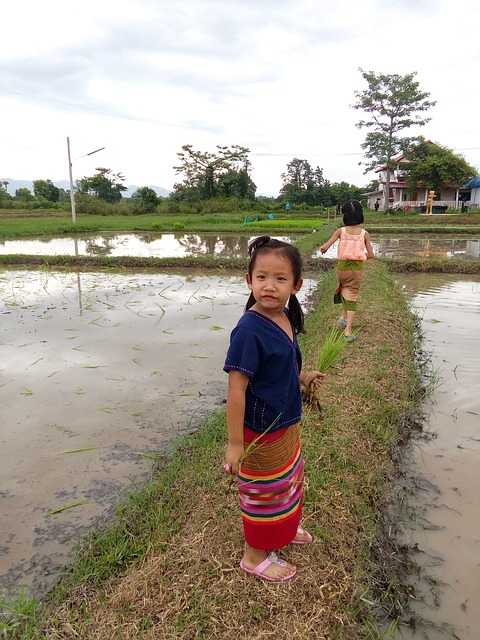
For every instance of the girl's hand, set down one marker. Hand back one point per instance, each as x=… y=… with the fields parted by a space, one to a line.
x=232 y=458
x=312 y=377
x=323 y=249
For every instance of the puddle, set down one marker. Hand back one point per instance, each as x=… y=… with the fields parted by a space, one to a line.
x=408 y=246
x=446 y=524
x=95 y=370
x=163 y=245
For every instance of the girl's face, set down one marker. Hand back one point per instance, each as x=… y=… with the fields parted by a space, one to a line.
x=272 y=282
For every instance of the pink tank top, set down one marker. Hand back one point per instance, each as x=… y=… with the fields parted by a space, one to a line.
x=351 y=247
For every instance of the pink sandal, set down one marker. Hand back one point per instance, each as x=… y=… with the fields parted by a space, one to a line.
x=272 y=558
x=302 y=532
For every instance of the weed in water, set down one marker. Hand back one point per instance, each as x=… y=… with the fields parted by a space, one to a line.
x=67 y=506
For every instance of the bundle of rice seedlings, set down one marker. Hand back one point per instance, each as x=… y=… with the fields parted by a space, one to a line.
x=334 y=343
x=331 y=348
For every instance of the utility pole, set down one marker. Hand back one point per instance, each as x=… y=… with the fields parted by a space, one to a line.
x=72 y=194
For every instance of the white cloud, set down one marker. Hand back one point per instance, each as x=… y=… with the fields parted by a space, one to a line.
x=145 y=77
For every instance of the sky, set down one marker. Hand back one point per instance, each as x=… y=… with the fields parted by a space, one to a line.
x=142 y=78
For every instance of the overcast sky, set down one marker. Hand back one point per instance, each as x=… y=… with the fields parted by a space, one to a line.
x=144 y=77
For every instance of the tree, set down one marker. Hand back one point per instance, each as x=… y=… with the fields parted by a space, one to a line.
x=4 y=195
x=394 y=103
x=104 y=185
x=301 y=183
x=24 y=194
x=46 y=190
x=206 y=174
x=146 y=199
x=436 y=167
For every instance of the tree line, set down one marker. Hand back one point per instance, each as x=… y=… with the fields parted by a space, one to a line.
x=392 y=104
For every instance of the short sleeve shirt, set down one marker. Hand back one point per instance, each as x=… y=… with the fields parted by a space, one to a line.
x=262 y=350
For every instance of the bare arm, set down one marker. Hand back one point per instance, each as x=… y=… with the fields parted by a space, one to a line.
x=325 y=247
x=368 y=246
x=237 y=384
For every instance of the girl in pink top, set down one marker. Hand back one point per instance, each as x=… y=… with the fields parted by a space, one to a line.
x=354 y=248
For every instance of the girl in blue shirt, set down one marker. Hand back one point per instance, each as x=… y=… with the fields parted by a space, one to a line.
x=264 y=406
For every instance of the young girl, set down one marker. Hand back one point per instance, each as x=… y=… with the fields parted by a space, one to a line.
x=354 y=241
x=264 y=405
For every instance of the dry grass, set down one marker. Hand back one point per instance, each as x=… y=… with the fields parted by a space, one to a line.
x=190 y=586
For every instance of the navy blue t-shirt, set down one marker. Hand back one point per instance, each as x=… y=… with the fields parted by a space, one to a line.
x=262 y=350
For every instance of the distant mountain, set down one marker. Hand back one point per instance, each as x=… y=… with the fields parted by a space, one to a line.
x=13 y=185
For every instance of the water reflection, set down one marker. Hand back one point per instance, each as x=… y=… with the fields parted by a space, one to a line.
x=407 y=246
x=164 y=245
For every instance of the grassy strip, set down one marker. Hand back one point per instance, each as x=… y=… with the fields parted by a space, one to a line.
x=40 y=225
x=217 y=263
x=168 y=568
x=31 y=224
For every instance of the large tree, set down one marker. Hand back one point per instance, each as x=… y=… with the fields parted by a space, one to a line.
x=146 y=199
x=301 y=182
x=105 y=185
x=304 y=185
x=46 y=190
x=4 y=195
x=436 y=167
x=24 y=194
x=393 y=103
x=206 y=174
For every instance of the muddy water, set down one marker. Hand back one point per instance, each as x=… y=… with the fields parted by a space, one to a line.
x=445 y=505
x=96 y=370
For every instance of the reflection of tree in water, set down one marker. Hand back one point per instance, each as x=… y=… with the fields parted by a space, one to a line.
x=192 y=244
x=421 y=247
x=147 y=238
x=229 y=245
x=235 y=246
x=100 y=246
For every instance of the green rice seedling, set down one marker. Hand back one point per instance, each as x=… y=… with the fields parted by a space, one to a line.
x=62 y=453
x=67 y=506
x=333 y=345
x=331 y=348
x=26 y=391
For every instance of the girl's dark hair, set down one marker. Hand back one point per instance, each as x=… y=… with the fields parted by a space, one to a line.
x=352 y=213
x=265 y=244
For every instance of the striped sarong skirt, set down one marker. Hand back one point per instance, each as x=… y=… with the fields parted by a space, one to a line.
x=270 y=484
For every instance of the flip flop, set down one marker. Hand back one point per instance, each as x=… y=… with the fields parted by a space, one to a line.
x=272 y=558
x=342 y=322
x=305 y=533
x=349 y=338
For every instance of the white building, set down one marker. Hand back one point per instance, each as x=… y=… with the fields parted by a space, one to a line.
x=400 y=198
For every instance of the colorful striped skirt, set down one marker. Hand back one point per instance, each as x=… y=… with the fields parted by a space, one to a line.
x=270 y=486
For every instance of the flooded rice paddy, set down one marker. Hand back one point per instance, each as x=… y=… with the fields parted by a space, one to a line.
x=410 y=246
x=98 y=372
x=444 y=525
x=180 y=245
x=160 y=245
